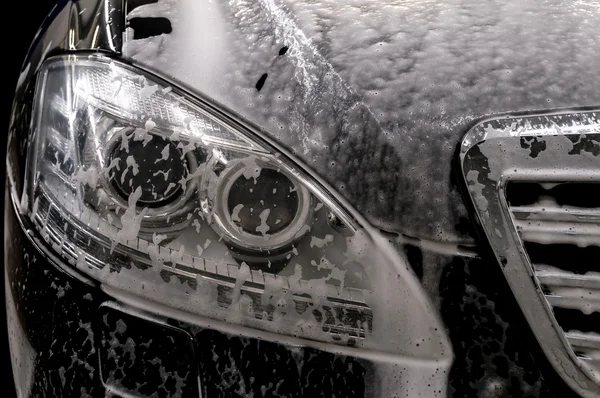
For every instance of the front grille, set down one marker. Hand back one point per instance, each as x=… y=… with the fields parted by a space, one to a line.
x=534 y=182
x=559 y=225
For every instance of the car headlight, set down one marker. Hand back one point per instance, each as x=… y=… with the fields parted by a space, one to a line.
x=164 y=196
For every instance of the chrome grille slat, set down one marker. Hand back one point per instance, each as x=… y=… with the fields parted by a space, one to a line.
x=584 y=340
x=569 y=297
x=555 y=213
x=586 y=347
x=553 y=277
x=548 y=232
x=552 y=225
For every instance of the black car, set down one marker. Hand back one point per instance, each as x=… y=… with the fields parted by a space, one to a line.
x=276 y=198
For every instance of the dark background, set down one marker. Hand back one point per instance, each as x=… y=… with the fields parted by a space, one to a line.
x=21 y=20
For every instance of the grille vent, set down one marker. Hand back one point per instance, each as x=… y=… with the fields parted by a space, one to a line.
x=559 y=224
x=534 y=183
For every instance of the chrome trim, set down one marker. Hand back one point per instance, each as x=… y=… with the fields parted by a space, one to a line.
x=497 y=151
x=581 y=340
x=225 y=227
x=558 y=232
x=555 y=214
x=566 y=279
x=570 y=297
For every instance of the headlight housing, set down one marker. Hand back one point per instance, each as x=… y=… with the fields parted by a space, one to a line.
x=166 y=197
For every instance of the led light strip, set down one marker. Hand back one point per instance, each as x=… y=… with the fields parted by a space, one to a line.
x=345 y=313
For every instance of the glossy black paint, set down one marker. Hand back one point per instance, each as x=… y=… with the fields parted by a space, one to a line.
x=146 y=357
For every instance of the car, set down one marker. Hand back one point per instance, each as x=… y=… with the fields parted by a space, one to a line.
x=279 y=198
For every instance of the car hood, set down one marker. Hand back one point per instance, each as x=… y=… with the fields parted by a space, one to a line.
x=376 y=95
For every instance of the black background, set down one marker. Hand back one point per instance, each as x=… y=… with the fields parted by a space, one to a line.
x=21 y=19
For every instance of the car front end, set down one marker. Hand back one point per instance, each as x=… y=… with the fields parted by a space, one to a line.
x=304 y=199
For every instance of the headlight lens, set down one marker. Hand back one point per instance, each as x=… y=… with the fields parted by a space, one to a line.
x=160 y=195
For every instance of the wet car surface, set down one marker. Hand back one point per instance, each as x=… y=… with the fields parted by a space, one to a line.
x=305 y=199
